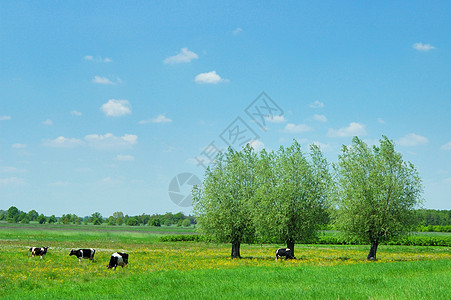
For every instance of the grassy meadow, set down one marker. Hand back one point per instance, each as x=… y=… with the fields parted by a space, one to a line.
x=202 y=270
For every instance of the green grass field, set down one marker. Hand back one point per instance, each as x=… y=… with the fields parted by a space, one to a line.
x=200 y=270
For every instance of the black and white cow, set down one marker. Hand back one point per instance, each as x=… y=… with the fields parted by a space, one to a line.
x=284 y=252
x=118 y=259
x=83 y=253
x=38 y=251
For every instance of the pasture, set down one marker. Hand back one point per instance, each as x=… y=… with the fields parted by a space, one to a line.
x=202 y=270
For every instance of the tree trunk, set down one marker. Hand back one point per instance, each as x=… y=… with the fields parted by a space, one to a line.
x=372 y=254
x=236 y=250
x=290 y=245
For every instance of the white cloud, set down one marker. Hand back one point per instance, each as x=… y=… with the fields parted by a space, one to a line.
x=159 y=119
x=12 y=170
x=412 y=139
x=19 y=146
x=275 y=119
x=423 y=47
x=323 y=147
x=381 y=121
x=62 y=142
x=12 y=181
x=59 y=183
x=293 y=128
x=317 y=104
x=5 y=118
x=321 y=118
x=101 y=80
x=209 y=77
x=237 y=31
x=76 y=113
x=116 y=108
x=97 y=59
x=184 y=56
x=257 y=145
x=446 y=146
x=109 y=141
x=354 y=129
x=111 y=182
x=48 y=122
x=121 y=157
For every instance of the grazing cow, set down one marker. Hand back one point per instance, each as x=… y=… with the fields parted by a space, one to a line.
x=83 y=253
x=118 y=259
x=285 y=252
x=38 y=251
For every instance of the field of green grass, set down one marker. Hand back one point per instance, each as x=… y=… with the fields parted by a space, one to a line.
x=202 y=270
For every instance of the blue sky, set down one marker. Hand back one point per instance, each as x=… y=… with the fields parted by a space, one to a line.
x=102 y=104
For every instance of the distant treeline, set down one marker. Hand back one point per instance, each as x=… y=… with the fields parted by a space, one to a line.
x=14 y=215
x=427 y=219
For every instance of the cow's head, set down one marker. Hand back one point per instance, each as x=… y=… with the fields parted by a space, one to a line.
x=73 y=252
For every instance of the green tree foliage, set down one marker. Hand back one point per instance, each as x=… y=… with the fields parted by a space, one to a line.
x=428 y=217
x=32 y=215
x=23 y=217
x=65 y=219
x=52 y=219
x=96 y=218
x=132 y=221
x=292 y=195
x=111 y=221
x=3 y=214
x=376 y=193
x=186 y=223
x=117 y=217
x=223 y=207
x=154 y=221
x=13 y=214
x=41 y=219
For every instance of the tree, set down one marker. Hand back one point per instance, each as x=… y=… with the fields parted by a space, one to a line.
x=13 y=214
x=96 y=218
x=22 y=216
x=118 y=214
x=111 y=221
x=118 y=217
x=42 y=219
x=292 y=196
x=32 y=215
x=186 y=223
x=24 y=219
x=132 y=221
x=3 y=214
x=376 y=193
x=52 y=219
x=154 y=221
x=65 y=219
x=223 y=207
x=143 y=219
